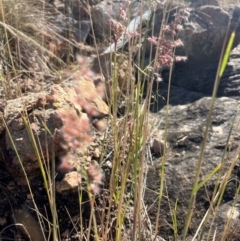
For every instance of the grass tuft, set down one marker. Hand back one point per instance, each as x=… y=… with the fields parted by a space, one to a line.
x=31 y=46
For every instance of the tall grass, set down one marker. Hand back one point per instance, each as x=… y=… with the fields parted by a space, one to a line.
x=128 y=135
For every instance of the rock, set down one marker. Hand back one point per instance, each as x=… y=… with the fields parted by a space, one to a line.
x=157 y=146
x=71 y=181
x=3 y=221
x=185 y=135
x=104 y=11
x=81 y=31
x=132 y=31
x=41 y=112
x=203 y=35
x=229 y=211
x=77 y=10
x=189 y=106
x=88 y=92
x=179 y=95
x=102 y=64
x=230 y=82
x=96 y=153
x=38 y=110
x=199 y=3
x=199 y=81
x=101 y=14
x=27 y=219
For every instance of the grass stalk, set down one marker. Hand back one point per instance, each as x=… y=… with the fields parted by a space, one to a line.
x=24 y=172
x=208 y=122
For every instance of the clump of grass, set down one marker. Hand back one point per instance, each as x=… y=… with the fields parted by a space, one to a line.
x=128 y=135
x=30 y=42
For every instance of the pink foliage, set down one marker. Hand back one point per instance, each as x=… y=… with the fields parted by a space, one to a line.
x=76 y=130
x=168 y=42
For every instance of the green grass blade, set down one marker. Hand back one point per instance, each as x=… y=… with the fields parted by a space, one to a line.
x=227 y=53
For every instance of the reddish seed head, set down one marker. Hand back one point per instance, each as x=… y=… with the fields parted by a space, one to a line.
x=95 y=175
x=64 y=167
x=76 y=128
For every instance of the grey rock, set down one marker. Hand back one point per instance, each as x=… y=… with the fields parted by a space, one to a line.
x=101 y=14
x=230 y=82
x=132 y=26
x=157 y=146
x=201 y=79
x=191 y=83
x=203 y=35
x=199 y=3
x=228 y=211
x=81 y=31
x=178 y=95
x=77 y=10
x=187 y=125
x=106 y=10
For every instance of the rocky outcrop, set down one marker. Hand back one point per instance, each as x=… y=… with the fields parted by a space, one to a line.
x=35 y=120
x=191 y=87
x=199 y=3
x=201 y=80
x=185 y=136
x=79 y=14
x=190 y=100
x=203 y=34
x=105 y=11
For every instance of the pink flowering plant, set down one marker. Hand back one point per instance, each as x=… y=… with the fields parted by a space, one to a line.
x=169 y=40
x=119 y=29
x=76 y=130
